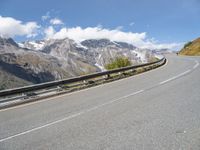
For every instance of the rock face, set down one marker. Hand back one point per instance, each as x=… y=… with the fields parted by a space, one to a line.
x=191 y=48
x=47 y=60
x=33 y=66
x=94 y=52
x=102 y=51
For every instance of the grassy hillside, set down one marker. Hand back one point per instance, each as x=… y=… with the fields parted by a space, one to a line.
x=191 y=48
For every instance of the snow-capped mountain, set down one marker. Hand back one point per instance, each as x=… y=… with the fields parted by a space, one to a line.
x=34 y=45
x=94 y=51
x=20 y=66
x=104 y=50
x=46 y=60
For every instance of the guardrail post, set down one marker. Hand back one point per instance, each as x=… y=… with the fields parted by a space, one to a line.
x=133 y=70
x=84 y=81
x=107 y=76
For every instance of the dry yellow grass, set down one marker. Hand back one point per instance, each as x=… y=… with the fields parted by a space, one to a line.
x=193 y=49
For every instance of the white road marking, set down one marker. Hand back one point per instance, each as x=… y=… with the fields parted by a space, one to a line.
x=93 y=108
x=197 y=64
x=70 y=117
x=115 y=100
x=181 y=74
x=176 y=77
x=37 y=128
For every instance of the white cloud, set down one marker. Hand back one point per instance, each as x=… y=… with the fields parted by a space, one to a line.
x=56 y=21
x=138 y=39
x=156 y=45
x=131 y=24
x=10 y=27
x=79 y=34
x=45 y=17
x=49 y=32
x=119 y=28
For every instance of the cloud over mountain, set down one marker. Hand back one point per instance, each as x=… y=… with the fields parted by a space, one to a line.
x=56 y=21
x=79 y=34
x=10 y=27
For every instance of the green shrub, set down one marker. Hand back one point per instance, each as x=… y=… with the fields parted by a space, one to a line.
x=118 y=62
x=187 y=44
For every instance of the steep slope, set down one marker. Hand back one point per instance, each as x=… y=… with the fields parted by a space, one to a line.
x=104 y=50
x=73 y=57
x=47 y=60
x=9 y=80
x=96 y=52
x=31 y=66
x=191 y=48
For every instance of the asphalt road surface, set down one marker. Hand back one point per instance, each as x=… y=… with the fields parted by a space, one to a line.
x=156 y=110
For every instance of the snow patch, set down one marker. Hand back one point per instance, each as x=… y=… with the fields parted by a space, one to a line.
x=32 y=45
x=79 y=45
x=141 y=55
x=100 y=67
x=21 y=45
x=37 y=46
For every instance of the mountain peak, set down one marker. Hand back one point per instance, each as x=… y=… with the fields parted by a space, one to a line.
x=94 y=43
x=7 y=41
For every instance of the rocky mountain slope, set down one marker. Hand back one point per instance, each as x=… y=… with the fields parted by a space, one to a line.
x=47 y=60
x=34 y=66
x=191 y=48
x=98 y=52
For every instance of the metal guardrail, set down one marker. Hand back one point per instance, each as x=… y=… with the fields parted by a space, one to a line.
x=35 y=87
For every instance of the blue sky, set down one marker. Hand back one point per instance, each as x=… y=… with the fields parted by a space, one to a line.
x=164 y=21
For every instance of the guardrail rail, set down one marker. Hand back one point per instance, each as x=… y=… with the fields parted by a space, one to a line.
x=6 y=96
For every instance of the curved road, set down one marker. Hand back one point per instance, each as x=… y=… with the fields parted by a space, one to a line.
x=158 y=110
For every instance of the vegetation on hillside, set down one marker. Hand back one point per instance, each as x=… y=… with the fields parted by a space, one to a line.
x=118 y=62
x=191 y=48
x=187 y=44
